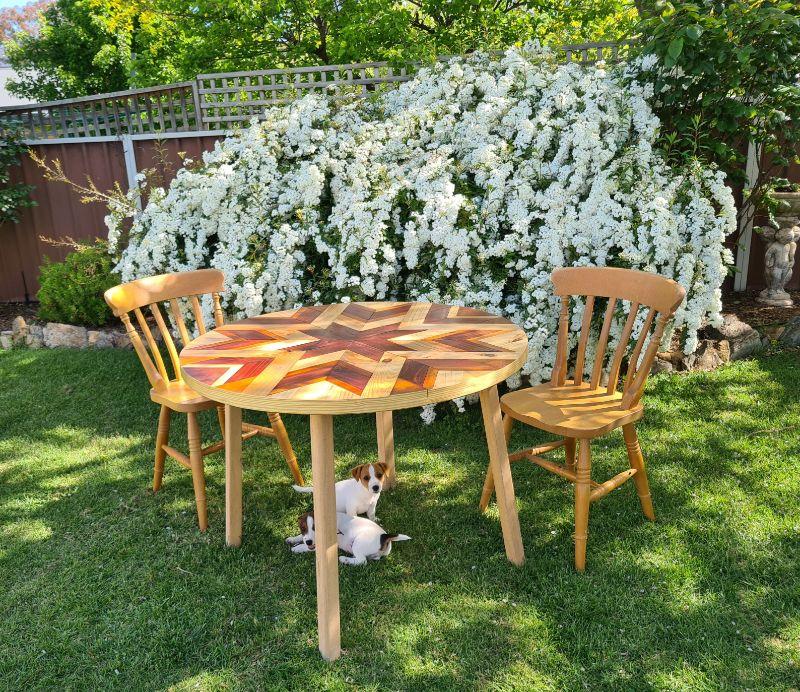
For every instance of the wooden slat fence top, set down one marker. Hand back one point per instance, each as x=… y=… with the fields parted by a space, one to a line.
x=220 y=99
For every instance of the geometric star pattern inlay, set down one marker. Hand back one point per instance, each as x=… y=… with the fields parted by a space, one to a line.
x=354 y=356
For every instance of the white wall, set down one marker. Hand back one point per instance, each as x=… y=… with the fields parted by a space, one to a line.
x=7 y=73
x=7 y=99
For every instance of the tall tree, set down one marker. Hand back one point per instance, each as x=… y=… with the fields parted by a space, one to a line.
x=144 y=42
x=22 y=18
x=73 y=54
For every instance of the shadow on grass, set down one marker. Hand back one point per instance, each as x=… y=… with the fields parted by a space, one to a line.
x=106 y=584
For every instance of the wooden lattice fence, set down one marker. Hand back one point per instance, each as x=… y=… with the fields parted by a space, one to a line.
x=214 y=102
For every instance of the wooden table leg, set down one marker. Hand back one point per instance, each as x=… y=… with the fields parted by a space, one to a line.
x=233 y=476
x=501 y=473
x=327 y=552
x=383 y=420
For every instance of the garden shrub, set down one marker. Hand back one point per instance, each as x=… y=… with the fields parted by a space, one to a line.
x=726 y=73
x=467 y=185
x=72 y=291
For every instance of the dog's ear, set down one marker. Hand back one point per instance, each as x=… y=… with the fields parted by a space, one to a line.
x=303 y=521
x=391 y=537
x=380 y=466
x=356 y=472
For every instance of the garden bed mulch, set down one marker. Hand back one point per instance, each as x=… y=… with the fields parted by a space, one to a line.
x=30 y=312
x=8 y=311
x=747 y=309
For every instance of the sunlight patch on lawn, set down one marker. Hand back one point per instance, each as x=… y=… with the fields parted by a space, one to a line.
x=28 y=531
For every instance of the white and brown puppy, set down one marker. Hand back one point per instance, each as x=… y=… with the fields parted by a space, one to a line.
x=362 y=538
x=359 y=494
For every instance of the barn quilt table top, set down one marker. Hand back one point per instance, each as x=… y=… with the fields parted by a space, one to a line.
x=353 y=357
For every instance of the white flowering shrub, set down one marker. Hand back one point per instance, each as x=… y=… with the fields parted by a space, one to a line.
x=467 y=185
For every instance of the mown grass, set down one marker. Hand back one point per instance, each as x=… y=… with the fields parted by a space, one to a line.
x=105 y=585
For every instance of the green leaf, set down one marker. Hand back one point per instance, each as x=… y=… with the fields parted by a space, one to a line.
x=675 y=48
x=693 y=32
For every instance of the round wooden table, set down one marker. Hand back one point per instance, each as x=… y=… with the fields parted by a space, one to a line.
x=355 y=358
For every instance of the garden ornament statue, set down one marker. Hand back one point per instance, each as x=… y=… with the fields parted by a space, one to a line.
x=779 y=260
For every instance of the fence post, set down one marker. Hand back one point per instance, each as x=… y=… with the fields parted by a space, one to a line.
x=198 y=112
x=746 y=225
x=130 y=166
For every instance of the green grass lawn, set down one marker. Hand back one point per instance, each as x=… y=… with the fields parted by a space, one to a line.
x=105 y=585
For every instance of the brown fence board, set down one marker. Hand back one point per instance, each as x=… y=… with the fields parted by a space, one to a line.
x=59 y=212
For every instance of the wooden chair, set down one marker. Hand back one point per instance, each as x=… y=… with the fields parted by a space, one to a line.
x=173 y=394
x=579 y=410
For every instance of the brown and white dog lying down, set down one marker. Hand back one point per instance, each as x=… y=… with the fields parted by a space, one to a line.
x=362 y=538
x=359 y=494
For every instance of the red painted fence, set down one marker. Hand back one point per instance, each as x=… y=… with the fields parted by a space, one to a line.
x=59 y=212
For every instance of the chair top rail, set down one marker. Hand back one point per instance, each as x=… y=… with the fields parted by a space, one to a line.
x=653 y=290
x=155 y=289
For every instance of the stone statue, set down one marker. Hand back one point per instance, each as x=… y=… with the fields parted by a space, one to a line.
x=779 y=261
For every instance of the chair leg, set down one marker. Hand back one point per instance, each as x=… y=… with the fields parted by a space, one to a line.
x=488 y=481
x=569 y=449
x=198 y=473
x=221 y=419
x=582 y=491
x=285 y=444
x=162 y=437
x=637 y=462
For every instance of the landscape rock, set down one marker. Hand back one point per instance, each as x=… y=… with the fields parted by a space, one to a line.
x=35 y=338
x=791 y=334
x=6 y=339
x=121 y=340
x=709 y=355
x=58 y=335
x=772 y=332
x=19 y=330
x=742 y=339
x=661 y=365
x=98 y=339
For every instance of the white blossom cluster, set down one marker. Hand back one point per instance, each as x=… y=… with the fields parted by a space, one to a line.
x=467 y=185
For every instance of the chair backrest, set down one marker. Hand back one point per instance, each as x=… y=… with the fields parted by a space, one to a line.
x=166 y=288
x=643 y=290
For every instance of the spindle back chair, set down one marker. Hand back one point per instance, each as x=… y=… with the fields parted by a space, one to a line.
x=170 y=390
x=581 y=405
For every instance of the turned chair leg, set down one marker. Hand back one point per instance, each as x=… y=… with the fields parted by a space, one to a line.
x=198 y=474
x=488 y=482
x=582 y=491
x=285 y=444
x=162 y=437
x=569 y=449
x=637 y=462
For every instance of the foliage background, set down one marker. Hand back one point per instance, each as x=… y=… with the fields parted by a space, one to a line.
x=728 y=73
x=16 y=196
x=93 y=46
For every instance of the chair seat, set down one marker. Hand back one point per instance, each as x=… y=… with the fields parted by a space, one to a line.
x=570 y=410
x=179 y=396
